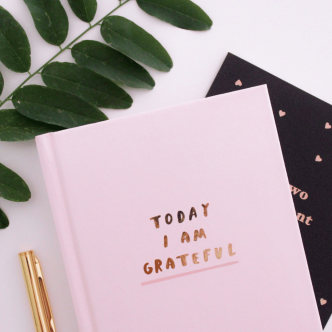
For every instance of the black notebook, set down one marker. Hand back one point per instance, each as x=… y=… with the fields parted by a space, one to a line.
x=304 y=125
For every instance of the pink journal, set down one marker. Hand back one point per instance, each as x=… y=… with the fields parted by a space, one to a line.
x=180 y=219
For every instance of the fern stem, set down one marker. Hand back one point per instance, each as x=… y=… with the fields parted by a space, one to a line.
x=38 y=71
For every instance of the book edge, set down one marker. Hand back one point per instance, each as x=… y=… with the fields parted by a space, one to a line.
x=50 y=169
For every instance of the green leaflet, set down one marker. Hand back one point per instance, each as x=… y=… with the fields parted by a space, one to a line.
x=50 y=20
x=15 y=51
x=4 y=222
x=183 y=14
x=2 y=83
x=12 y=186
x=132 y=40
x=55 y=107
x=85 y=10
x=86 y=84
x=16 y=127
x=112 y=64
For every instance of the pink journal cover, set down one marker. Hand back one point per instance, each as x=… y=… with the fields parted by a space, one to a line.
x=180 y=219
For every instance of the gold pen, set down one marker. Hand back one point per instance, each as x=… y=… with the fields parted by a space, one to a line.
x=35 y=284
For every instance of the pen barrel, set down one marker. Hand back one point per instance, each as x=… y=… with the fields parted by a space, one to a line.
x=38 y=297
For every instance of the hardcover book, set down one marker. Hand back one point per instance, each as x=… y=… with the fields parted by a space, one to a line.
x=180 y=219
x=304 y=125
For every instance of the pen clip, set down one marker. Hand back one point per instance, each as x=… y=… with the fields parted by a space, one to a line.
x=44 y=300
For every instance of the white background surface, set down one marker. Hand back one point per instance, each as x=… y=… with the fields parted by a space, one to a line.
x=288 y=38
